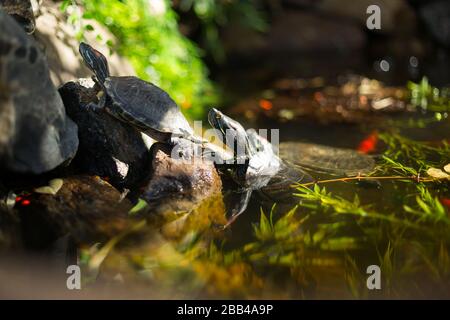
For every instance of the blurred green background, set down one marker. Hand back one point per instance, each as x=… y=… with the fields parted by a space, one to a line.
x=150 y=36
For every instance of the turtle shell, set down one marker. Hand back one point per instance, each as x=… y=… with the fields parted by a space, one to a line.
x=144 y=105
x=324 y=159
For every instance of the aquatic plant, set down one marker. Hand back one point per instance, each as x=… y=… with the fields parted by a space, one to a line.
x=148 y=35
x=429 y=98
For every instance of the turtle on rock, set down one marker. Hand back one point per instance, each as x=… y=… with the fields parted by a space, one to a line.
x=256 y=165
x=22 y=12
x=138 y=103
x=260 y=168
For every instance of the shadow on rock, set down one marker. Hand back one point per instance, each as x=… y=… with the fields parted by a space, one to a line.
x=108 y=147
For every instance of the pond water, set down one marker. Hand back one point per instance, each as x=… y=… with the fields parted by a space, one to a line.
x=339 y=240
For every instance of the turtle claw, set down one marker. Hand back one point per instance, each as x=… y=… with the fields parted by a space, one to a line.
x=91 y=106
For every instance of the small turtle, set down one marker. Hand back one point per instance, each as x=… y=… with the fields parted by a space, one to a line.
x=22 y=12
x=137 y=102
x=257 y=166
x=261 y=169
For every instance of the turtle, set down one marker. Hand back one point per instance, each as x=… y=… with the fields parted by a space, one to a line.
x=138 y=103
x=262 y=169
x=22 y=12
x=257 y=167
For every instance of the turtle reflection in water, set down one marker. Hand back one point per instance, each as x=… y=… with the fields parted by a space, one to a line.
x=261 y=169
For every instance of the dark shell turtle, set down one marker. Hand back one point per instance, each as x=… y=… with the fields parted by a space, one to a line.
x=137 y=102
x=21 y=11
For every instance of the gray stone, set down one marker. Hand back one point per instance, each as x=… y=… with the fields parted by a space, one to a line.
x=21 y=11
x=108 y=148
x=35 y=134
x=85 y=207
x=178 y=185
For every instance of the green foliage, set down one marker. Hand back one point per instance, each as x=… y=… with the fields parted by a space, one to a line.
x=149 y=37
x=140 y=205
x=430 y=98
x=428 y=206
x=318 y=198
x=215 y=14
x=412 y=156
x=283 y=228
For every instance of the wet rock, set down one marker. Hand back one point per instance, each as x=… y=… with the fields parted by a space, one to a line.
x=436 y=16
x=35 y=134
x=10 y=236
x=324 y=159
x=178 y=185
x=58 y=37
x=85 y=207
x=21 y=11
x=108 y=147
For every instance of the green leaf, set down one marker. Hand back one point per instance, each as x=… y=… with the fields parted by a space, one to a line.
x=89 y=27
x=142 y=204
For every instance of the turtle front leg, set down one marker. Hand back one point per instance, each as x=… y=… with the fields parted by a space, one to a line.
x=92 y=106
x=182 y=148
x=189 y=136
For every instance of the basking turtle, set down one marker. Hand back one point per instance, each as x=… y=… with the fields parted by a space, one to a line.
x=261 y=169
x=21 y=11
x=137 y=102
x=256 y=164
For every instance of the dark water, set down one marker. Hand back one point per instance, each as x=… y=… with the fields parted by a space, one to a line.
x=387 y=197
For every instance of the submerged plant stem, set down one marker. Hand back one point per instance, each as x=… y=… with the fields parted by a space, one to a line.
x=359 y=178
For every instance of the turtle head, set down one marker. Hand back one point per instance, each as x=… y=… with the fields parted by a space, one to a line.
x=95 y=61
x=232 y=132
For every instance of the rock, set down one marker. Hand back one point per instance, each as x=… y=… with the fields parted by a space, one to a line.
x=108 y=147
x=177 y=185
x=35 y=134
x=58 y=37
x=436 y=16
x=21 y=11
x=86 y=207
x=10 y=235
